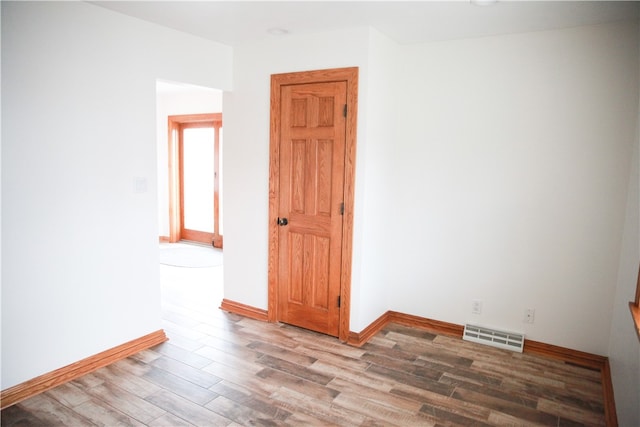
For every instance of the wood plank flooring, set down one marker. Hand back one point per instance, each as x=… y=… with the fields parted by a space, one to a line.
x=220 y=369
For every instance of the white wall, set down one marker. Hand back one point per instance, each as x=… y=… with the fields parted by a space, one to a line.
x=624 y=347
x=170 y=103
x=246 y=151
x=375 y=217
x=501 y=175
x=247 y=159
x=79 y=247
x=511 y=167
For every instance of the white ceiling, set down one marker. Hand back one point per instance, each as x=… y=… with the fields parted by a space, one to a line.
x=237 y=22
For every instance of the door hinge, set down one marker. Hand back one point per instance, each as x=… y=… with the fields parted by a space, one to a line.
x=344 y=112
x=342 y=208
x=338 y=301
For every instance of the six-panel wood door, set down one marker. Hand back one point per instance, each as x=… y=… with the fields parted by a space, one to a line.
x=312 y=153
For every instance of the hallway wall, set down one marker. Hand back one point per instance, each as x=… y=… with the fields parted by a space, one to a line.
x=79 y=242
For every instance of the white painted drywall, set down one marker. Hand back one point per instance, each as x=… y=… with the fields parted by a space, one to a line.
x=505 y=175
x=170 y=103
x=624 y=346
x=246 y=151
x=511 y=167
x=79 y=248
x=375 y=216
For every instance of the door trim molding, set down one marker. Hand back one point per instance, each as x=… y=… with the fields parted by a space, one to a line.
x=350 y=76
x=176 y=190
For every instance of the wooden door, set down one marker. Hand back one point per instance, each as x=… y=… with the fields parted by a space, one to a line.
x=311 y=183
x=179 y=226
x=312 y=148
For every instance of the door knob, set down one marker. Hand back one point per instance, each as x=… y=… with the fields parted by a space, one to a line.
x=282 y=222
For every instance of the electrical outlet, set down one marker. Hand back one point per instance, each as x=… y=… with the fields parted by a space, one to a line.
x=529 y=315
x=476 y=307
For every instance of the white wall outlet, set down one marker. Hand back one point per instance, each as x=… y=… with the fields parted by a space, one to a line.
x=529 y=315
x=476 y=307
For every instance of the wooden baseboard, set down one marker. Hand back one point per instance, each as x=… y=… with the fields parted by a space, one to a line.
x=358 y=339
x=587 y=360
x=244 y=310
x=438 y=326
x=67 y=373
x=610 y=416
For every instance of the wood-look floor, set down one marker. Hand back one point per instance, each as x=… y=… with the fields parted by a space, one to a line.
x=220 y=369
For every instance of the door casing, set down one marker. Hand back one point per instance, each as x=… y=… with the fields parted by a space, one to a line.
x=176 y=191
x=350 y=76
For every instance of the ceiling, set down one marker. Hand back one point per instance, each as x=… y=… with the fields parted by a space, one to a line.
x=238 y=22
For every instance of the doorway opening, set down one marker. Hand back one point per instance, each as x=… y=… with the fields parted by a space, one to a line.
x=189 y=196
x=195 y=147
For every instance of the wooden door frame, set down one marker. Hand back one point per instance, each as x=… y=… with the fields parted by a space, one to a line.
x=176 y=190
x=350 y=76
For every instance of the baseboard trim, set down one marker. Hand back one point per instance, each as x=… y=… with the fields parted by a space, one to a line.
x=580 y=358
x=610 y=415
x=47 y=381
x=244 y=310
x=444 y=328
x=358 y=339
x=568 y=355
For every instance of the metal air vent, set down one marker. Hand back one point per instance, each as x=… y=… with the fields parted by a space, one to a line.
x=493 y=337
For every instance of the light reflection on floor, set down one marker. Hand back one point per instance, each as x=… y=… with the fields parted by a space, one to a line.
x=197 y=289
